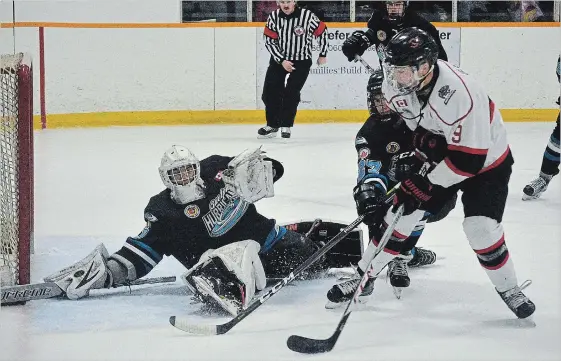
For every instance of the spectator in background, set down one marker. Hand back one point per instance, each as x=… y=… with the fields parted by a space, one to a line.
x=288 y=37
x=263 y=9
x=531 y=11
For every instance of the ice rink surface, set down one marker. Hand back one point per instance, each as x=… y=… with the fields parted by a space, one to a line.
x=91 y=186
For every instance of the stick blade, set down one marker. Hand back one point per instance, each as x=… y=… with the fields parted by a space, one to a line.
x=308 y=345
x=196 y=329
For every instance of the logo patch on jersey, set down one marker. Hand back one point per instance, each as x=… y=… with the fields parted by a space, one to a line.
x=192 y=211
x=392 y=147
x=445 y=93
x=150 y=217
x=298 y=30
x=360 y=140
x=381 y=34
x=401 y=103
x=363 y=153
x=226 y=209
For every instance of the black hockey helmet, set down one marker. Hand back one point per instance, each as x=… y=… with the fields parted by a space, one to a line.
x=406 y=54
x=396 y=10
x=377 y=105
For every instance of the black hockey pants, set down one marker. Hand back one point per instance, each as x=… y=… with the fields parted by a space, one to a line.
x=281 y=102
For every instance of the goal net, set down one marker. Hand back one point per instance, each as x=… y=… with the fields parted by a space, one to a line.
x=16 y=167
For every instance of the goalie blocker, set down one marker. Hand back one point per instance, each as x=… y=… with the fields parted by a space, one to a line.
x=230 y=276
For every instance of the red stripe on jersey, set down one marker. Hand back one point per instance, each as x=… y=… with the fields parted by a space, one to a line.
x=499 y=265
x=270 y=33
x=497 y=162
x=469 y=150
x=491 y=110
x=499 y=243
x=470 y=99
x=320 y=29
x=456 y=170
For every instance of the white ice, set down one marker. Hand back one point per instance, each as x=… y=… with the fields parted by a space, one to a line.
x=91 y=186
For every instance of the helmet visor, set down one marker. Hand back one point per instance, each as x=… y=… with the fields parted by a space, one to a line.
x=183 y=175
x=404 y=79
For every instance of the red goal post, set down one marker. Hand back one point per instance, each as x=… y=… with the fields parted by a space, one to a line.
x=16 y=167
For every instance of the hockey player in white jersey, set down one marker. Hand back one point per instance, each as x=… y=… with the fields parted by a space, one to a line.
x=433 y=95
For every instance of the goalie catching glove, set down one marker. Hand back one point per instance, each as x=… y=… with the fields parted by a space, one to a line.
x=250 y=175
x=228 y=276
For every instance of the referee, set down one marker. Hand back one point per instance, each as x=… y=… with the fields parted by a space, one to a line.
x=288 y=37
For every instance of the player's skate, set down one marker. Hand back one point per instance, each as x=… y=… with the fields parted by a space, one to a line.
x=397 y=273
x=517 y=301
x=421 y=257
x=535 y=188
x=285 y=132
x=215 y=291
x=267 y=132
x=343 y=292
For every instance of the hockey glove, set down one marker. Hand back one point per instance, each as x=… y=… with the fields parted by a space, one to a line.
x=406 y=164
x=412 y=193
x=368 y=198
x=430 y=146
x=356 y=44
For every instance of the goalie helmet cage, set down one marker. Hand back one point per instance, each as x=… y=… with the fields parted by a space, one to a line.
x=16 y=166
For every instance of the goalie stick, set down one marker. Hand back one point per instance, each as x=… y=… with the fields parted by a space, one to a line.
x=36 y=291
x=310 y=345
x=220 y=329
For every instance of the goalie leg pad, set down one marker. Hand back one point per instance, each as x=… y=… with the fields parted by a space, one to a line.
x=228 y=276
x=91 y=272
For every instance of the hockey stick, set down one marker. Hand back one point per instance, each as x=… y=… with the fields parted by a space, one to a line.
x=365 y=64
x=220 y=329
x=185 y=325
x=37 y=291
x=310 y=345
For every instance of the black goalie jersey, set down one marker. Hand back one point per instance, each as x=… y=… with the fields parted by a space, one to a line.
x=186 y=231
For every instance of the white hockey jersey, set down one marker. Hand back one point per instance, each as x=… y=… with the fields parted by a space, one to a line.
x=459 y=109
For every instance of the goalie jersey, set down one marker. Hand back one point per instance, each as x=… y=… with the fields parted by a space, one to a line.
x=186 y=231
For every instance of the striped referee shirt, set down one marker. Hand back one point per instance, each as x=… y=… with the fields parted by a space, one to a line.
x=289 y=37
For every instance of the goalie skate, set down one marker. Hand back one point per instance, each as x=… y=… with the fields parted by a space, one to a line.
x=215 y=292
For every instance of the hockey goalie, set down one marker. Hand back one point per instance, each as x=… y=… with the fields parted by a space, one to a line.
x=207 y=219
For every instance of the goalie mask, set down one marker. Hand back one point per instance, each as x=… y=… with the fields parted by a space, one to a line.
x=180 y=172
x=377 y=105
x=410 y=57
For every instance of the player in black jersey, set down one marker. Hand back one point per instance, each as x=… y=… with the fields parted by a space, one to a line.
x=207 y=220
x=550 y=159
x=388 y=151
x=383 y=25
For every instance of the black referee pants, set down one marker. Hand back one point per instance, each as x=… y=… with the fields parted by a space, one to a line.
x=281 y=102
